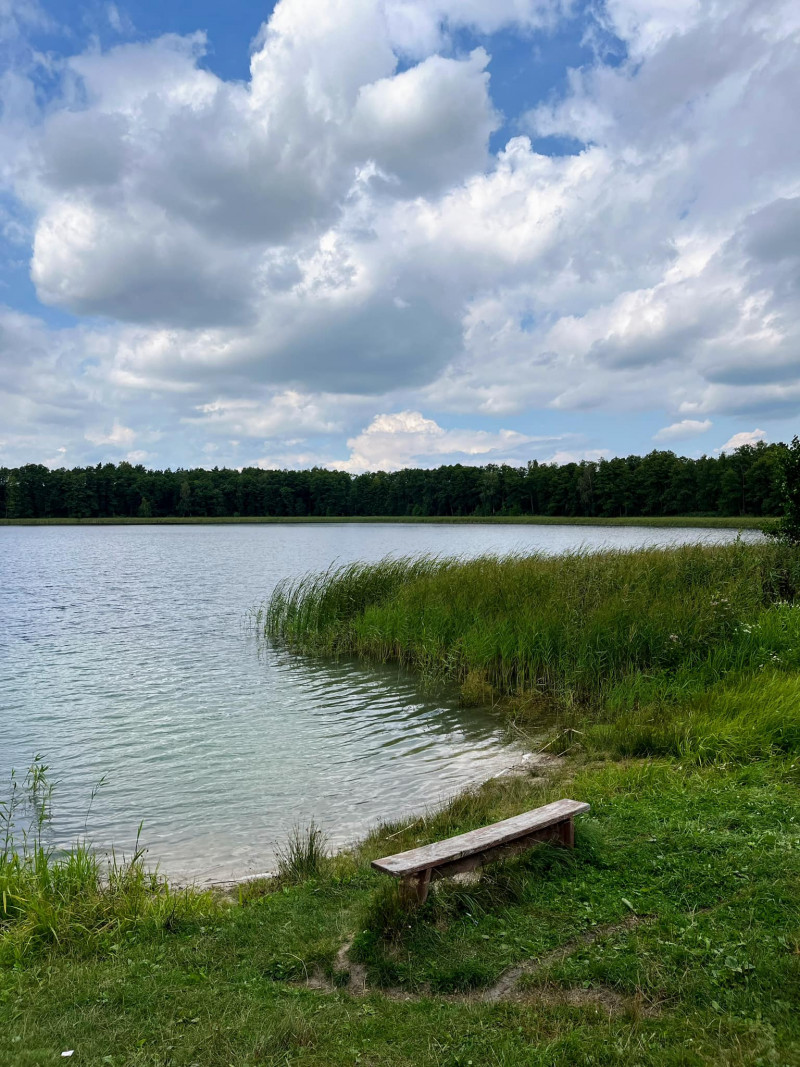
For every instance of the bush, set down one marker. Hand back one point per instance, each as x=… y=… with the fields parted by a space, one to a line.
x=304 y=856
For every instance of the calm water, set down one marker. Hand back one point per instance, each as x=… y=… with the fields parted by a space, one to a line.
x=123 y=653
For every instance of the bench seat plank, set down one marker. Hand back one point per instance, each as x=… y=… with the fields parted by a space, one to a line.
x=404 y=864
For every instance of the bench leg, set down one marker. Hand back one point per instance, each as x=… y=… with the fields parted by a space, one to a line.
x=415 y=888
x=566 y=833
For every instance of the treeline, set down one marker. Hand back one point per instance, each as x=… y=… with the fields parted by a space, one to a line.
x=744 y=482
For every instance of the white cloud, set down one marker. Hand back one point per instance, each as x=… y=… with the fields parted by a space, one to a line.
x=680 y=431
x=408 y=439
x=746 y=437
x=287 y=256
x=283 y=414
x=576 y=455
x=119 y=20
x=118 y=436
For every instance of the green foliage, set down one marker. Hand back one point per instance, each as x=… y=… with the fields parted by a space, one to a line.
x=660 y=484
x=71 y=899
x=304 y=856
x=617 y=628
x=752 y=718
x=788 y=528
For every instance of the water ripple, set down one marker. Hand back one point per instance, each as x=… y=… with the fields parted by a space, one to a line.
x=122 y=653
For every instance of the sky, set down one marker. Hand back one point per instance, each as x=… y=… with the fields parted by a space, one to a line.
x=369 y=234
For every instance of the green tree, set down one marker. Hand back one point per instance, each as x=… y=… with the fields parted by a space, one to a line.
x=789 y=525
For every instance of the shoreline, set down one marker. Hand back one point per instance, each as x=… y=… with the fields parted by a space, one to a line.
x=522 y=764
x=742 y=522
x=671 y=926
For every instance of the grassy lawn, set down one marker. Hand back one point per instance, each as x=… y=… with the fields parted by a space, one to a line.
x=671 y=935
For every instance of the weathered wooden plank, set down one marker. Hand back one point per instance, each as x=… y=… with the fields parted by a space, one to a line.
x=487 y=837
x=498 y=852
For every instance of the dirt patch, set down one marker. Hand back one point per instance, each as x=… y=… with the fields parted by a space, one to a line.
x=603 y=999
x=507 y=988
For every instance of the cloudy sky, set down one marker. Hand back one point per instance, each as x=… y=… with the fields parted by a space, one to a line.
x=380 y=233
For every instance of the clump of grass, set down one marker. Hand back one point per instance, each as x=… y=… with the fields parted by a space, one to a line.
x=616 y=628
x=313 y=612
x=475 y=690
x=750 y=719
x=386 y=917
x=304 y=856
x=71 y=898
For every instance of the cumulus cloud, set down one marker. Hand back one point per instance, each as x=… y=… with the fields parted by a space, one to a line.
x=333 y=238
x=681 y=431
x=746 y=437
x=118 y=436
x=408 y=439
x=284 y=414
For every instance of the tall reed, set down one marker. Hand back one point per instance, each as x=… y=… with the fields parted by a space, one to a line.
x=617 y=627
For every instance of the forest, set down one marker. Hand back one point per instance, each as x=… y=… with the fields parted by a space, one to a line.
x=743 y=482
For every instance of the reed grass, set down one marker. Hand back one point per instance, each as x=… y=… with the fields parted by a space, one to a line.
x=752 y=718
x=618 y=629
x=303 y=856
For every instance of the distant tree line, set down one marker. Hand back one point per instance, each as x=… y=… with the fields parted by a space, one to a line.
x=745 y=482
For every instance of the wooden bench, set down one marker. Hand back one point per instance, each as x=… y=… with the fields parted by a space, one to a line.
x=418 y=867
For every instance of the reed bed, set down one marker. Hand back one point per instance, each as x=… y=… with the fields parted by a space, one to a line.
x=615 y=626
x=653 y=651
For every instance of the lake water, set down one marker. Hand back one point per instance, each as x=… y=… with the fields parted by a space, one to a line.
x=124 y=653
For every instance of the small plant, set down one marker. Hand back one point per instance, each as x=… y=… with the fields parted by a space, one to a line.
x=304 y=856
x=387 y=917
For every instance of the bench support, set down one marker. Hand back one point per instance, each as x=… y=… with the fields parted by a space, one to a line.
x=414 y=888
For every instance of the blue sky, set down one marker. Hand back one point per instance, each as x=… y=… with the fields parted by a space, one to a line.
x=378 y=233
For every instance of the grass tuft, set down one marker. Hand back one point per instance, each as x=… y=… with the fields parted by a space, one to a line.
x=304 y=856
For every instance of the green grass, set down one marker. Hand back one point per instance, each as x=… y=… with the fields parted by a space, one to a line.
x=72 y=900
x=732 y=522
x=616 y=629
x=677 y=919
x=670 y=936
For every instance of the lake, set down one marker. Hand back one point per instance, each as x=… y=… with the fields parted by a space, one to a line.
x=124 y=653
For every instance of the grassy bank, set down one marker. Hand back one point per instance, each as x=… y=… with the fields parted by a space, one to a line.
x=611 y=629
x=670 y=936
x=734 y=522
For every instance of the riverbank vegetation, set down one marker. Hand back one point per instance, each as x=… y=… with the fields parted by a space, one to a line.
x=746 y=482
x=604 y=631
x=667 y=684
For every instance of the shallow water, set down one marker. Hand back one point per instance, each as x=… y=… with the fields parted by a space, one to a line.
x=124 y=653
